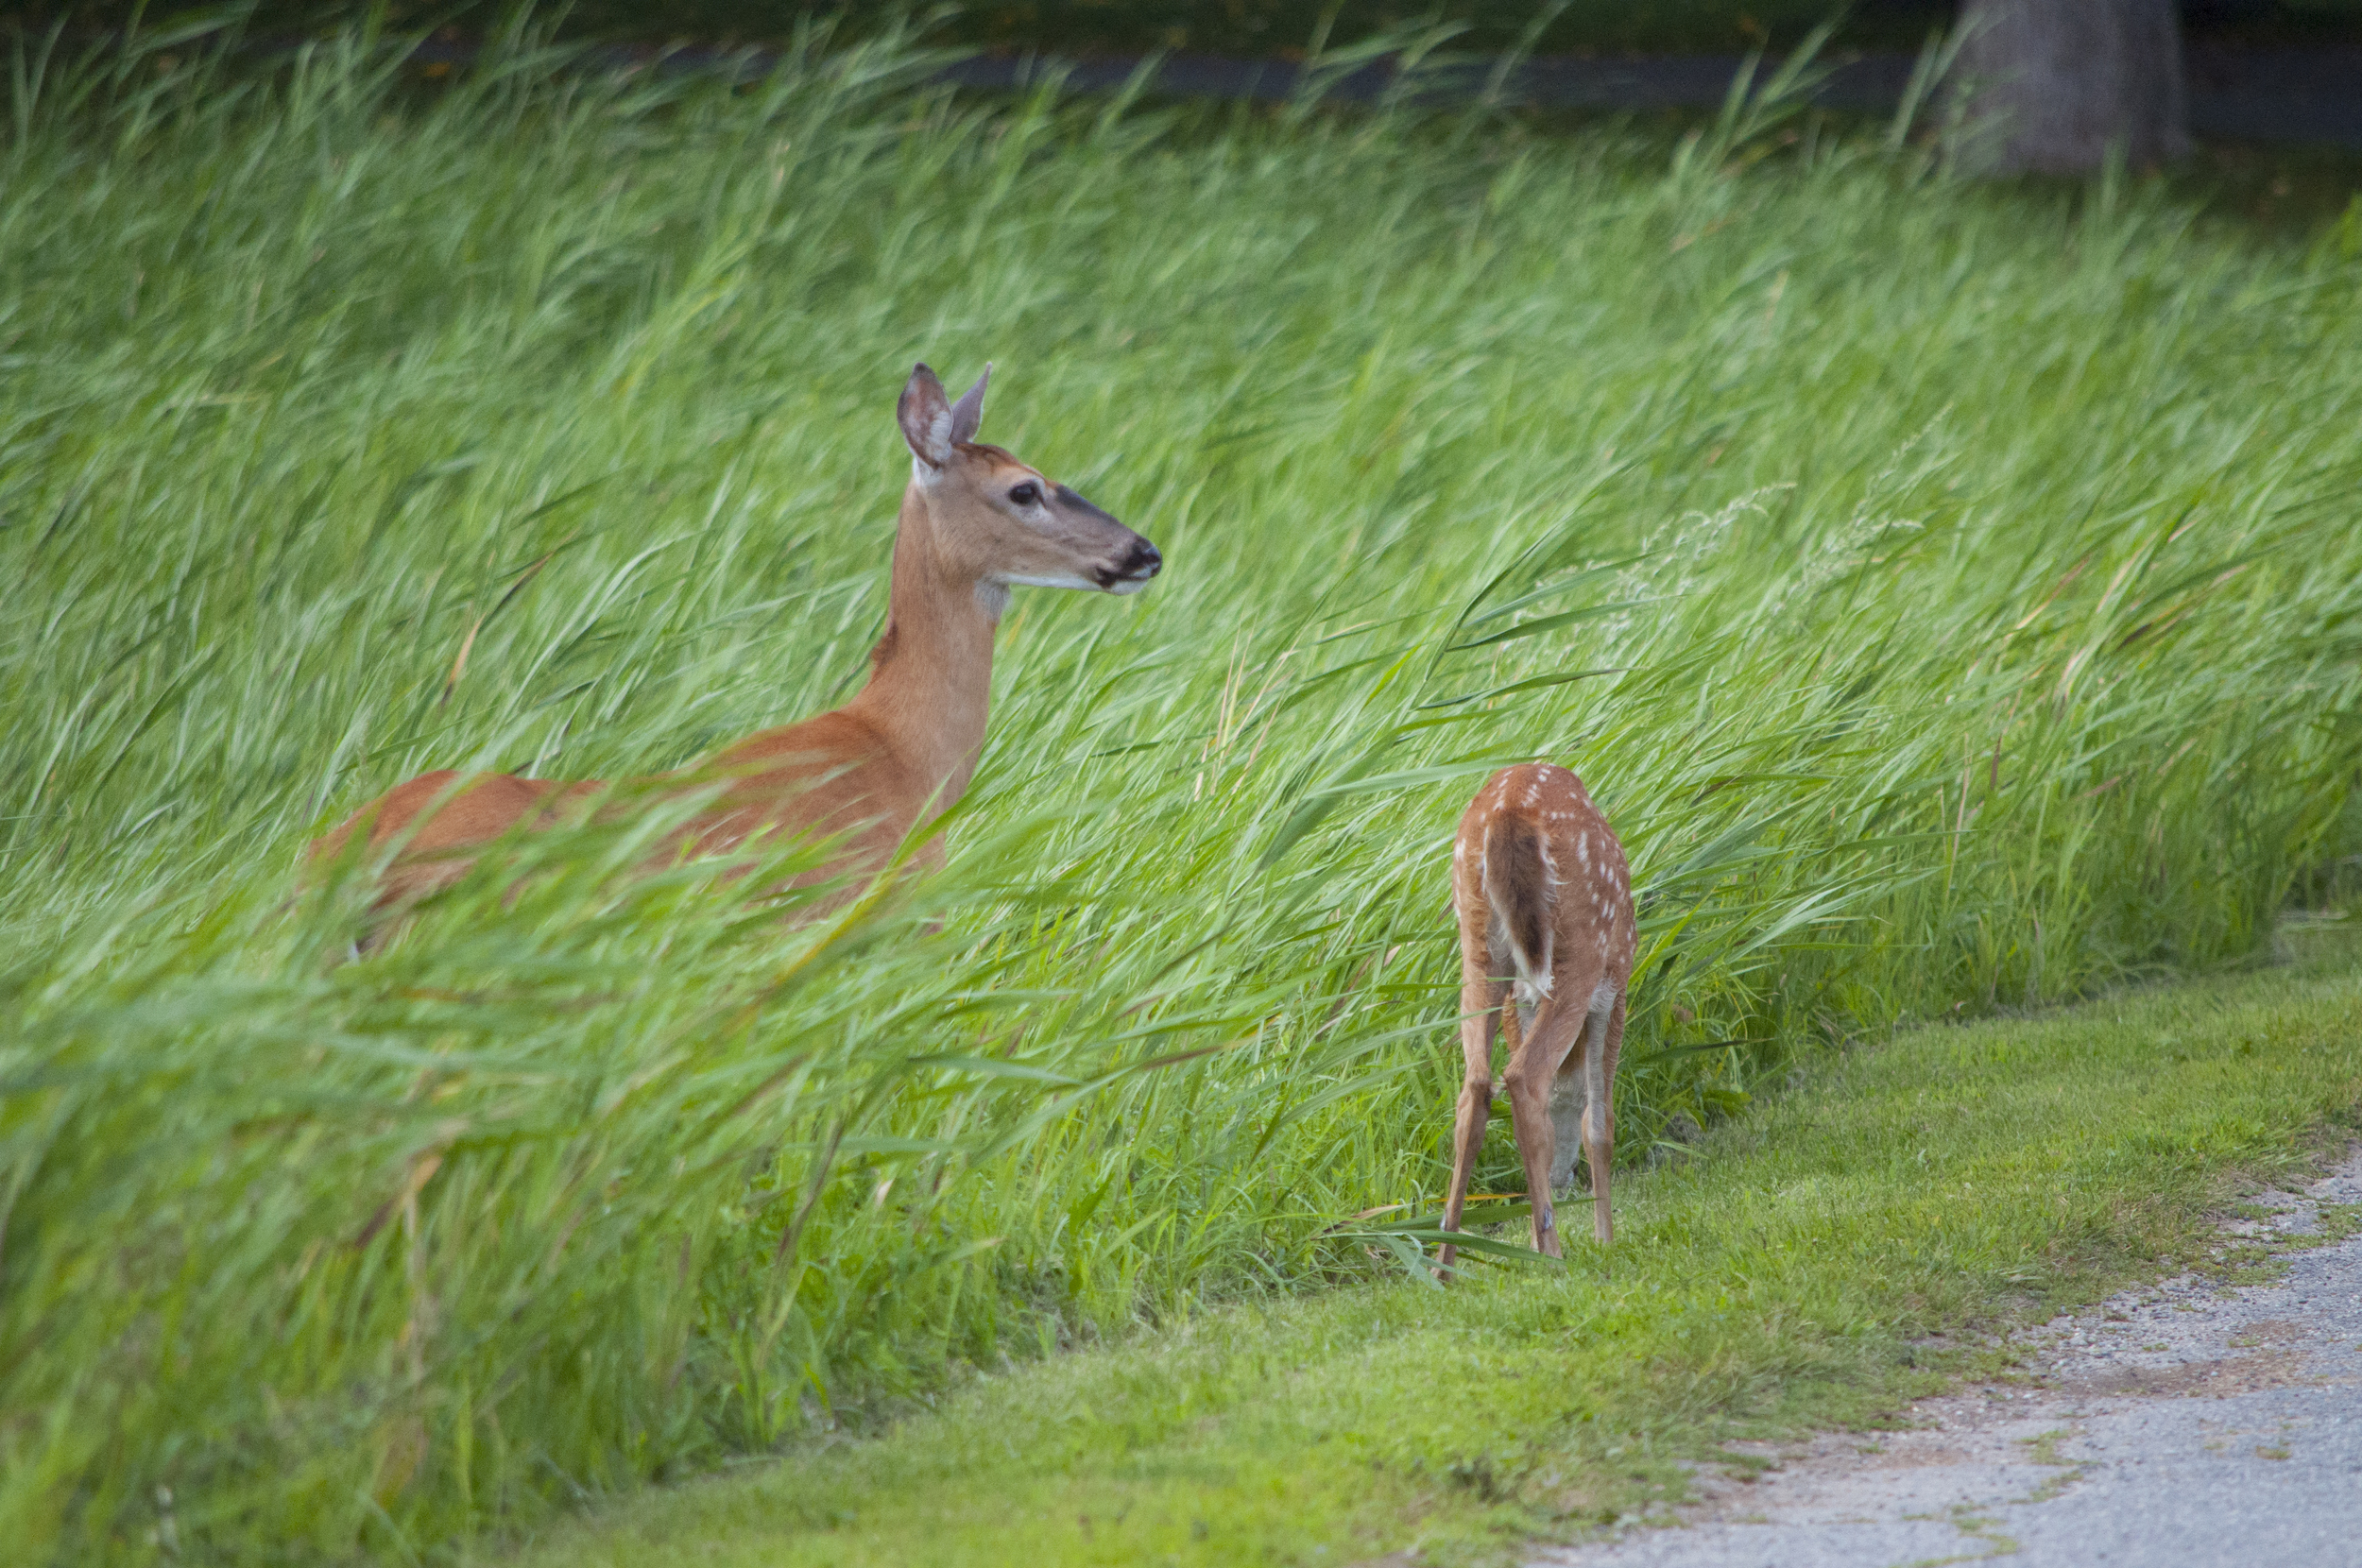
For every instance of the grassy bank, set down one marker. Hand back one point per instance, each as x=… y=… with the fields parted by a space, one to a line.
x=1815 y=1264
x=1950 y=595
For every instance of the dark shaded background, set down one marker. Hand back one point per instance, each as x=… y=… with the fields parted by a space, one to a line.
x=1264 y=26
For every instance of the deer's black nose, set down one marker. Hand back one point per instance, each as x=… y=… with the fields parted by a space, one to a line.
x=1130 y=571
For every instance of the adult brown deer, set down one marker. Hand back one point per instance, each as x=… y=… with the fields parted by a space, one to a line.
x=1546 y=944
x=975 y=522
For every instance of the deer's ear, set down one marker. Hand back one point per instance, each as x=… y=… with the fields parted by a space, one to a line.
x=926 y=417
x=967 y=414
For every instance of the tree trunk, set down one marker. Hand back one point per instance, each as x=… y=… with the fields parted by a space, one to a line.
x=2051 y=85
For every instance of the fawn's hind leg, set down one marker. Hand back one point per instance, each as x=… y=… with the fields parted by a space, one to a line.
x=1532 y=1067
x=1481 y=1002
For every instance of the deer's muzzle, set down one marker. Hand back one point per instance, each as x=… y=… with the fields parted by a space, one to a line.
x=1130 y=573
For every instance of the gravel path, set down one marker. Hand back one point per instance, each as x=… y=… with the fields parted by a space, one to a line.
x=2175 y=1426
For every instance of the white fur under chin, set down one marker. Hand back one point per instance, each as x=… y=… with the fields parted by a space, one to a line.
x=1127 y=585
x=1061 y=580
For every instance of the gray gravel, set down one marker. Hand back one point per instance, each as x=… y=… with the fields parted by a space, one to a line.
x=2175 y=1426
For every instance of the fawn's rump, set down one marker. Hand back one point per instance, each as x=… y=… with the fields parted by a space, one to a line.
x=1517 y=889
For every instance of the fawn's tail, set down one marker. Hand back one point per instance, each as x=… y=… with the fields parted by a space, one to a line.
x=1518 y=884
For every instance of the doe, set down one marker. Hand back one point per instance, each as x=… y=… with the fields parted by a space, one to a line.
x=975 y=522
x=1547 y=938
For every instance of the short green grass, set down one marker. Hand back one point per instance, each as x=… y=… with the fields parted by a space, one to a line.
x=1825 y=1257
x=1950 y=594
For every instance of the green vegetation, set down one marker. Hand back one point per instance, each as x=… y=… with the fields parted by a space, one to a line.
x=1950 y=594
x=1805 y=1270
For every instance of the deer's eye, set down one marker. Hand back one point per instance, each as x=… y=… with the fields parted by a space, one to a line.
x=1025 y=494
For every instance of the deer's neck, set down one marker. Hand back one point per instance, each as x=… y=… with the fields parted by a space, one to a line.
x=931 y=689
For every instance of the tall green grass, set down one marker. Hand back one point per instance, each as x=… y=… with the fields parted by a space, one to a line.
x=1950 y=595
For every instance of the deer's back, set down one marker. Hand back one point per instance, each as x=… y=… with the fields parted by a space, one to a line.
x=828 y=774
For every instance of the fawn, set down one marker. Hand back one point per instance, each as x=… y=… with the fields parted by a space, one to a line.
x=1547 y=939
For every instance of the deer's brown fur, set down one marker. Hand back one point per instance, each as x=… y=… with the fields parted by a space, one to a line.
x=1547 y=939
x=975 y=521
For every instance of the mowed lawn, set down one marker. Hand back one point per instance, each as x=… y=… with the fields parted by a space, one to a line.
x=1824 y=1258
